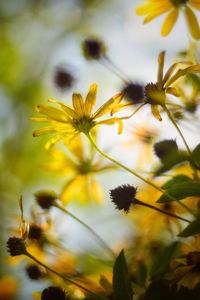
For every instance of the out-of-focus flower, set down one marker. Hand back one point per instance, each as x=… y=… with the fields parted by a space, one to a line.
x=66 y=123
x=8 y=288
x=79 y=168
x=93 y=48
x=134 y=92
x=156 y=93
x=63 y=78
x=142 y=137
x=151 y=9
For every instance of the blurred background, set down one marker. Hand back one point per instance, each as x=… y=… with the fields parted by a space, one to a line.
x=41 y=58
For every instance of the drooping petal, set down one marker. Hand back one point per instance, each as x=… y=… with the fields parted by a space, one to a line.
x=90 y=99
x=169 y=22
x=155 y=112
x=171 y=70
x=53 y=141
x=173 y=91
x=192 y=22
x=112 y=121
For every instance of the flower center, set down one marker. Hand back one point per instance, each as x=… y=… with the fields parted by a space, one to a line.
x=153 y=94
x=85 y=167
x=179 y=2
x=84 y=124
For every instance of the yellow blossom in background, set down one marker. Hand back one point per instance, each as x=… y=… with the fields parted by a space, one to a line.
x=152 y=9
x=66 y=123
x=79 y=168
x=142 y=137
x=8 y=288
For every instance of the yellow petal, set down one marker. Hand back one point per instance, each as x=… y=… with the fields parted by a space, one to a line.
x=78 y=104
x=155 y=112
x=195 y=3
x=161 y=61
x=90 y=99
x=169 y=22
x=53 y=141
x=112 y=121
x=44 y=130
x=68 y=110
x=156 y=13
x=173 y=91
x=192 y=23
x=52 y=112
x=108 y=106
x=182 y=72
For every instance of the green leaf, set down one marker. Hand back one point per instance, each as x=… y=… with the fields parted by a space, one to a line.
x=192 y=229
x=122 y=287
x=195 y=156
x=175 y=180
x=180 y=191
x=171 y=161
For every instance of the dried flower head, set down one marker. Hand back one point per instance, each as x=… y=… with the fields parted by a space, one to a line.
x=16 y=246
x=134 y=92
x=63 y=78
x=93 y=48
x=165 y=148
x=35 y=232
x=33 y=272
x=45 y=198
x=53 y=293
x=123 y=196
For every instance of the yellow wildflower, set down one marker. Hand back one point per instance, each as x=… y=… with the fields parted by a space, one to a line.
x=151 y=9
x=156 y=93
x=67 y=122
x=8 y=288
x=79 y=168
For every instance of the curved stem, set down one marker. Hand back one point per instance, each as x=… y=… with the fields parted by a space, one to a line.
x=136 y=201
x=177 y=128
x=136 y=174
x=97 y=237
x=64 y=277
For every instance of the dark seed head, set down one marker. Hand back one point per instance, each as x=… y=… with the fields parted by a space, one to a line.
x=63 y=78
x=45 y=198
x=134 y=92
x=33 y=272
x=53 y=293
x=93 y=49
x=35 y=232
x=16 y=246
x=123 y=196
x=165 y=148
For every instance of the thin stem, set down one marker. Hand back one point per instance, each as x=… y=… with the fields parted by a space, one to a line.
x=64 y=277
x=101 y=242
x=177 y=128
x=136 y=174
x=136 y=201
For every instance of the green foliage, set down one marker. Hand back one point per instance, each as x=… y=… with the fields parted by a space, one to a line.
x=195 y=156
x=122 y=288
x=181 y=191
x=192 y=229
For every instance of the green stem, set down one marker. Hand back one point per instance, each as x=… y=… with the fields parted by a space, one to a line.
x=136 y=174
x=64 y=277
x=136 y=201
x=97 y=237
x=177 y=128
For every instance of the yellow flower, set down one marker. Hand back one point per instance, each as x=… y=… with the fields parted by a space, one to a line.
x=67 y=122
x=156 y=93
x=79 y=169
x=151 y=9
